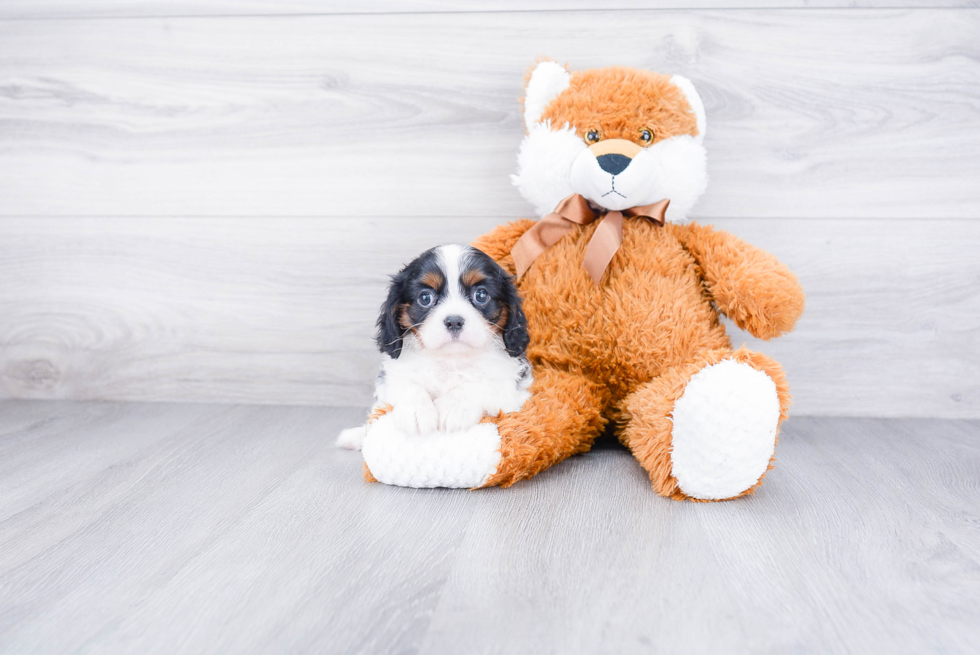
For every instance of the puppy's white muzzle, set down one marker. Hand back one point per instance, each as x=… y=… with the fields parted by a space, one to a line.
x=455 y=326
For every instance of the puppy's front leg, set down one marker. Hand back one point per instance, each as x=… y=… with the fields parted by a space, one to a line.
x=461 y=408
x=414 y=412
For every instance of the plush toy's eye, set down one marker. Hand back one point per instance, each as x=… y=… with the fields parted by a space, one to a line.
x=480 y=296
x=592 y=136
x=426 y=298
x=646 y=136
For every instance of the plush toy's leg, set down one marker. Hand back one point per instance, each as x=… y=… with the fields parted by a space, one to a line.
x=707 y=430
x=456 y=460
x=563 y=417
x=462 y=459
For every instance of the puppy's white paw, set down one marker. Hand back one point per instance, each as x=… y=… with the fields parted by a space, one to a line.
x=416 y=417
x=352 y=438
x=456 y=415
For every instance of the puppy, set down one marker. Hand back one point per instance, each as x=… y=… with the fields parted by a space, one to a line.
x=453 y=336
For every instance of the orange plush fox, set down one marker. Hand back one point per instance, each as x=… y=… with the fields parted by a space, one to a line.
x=622 y=297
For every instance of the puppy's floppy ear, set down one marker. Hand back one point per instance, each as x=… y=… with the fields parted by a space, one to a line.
x=515 y=330
x=390 y=332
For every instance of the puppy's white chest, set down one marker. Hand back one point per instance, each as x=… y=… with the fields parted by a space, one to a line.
x=440 y=380
x=440 y=377
x=485 y=374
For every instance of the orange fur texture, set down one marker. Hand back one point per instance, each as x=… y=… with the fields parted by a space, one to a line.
x=377 y=413
x=620 y=103
x=623 y=351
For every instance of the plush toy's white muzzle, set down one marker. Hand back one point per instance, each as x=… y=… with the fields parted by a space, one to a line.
x=554 y=162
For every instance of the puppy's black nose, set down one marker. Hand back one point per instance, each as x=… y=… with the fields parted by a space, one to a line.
x=454 y=324
x=613 y=163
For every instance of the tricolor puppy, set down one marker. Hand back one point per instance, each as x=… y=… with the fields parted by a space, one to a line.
x=454 y=337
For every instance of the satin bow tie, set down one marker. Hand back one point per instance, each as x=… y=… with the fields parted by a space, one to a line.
x=575 y=210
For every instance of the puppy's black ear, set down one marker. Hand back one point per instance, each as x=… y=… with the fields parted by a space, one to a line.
x=515 y=330
x=390 y=332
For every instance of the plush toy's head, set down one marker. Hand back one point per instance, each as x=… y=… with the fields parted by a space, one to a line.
x=621 y=137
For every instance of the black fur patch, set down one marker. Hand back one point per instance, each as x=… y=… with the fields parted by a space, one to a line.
x=504 y=304
x=402 y=302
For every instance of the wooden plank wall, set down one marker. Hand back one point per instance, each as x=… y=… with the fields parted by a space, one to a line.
x=201 y=201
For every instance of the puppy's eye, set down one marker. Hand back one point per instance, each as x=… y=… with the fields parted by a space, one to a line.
x=592 y=136
x=646 y=136
x=480 y=296
x=426 y=299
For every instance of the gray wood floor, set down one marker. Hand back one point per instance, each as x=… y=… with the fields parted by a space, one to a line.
x=167 y=528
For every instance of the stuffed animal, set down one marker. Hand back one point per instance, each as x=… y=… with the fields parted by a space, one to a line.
x=622 y=297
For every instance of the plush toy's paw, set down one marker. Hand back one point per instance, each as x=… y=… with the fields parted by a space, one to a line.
x=463 y=459
x=416 y=416
x=456 y=414
x=724 y=430
x=352 y=438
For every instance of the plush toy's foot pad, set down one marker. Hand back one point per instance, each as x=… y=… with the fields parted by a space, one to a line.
x=724 y=430
x=463 y=459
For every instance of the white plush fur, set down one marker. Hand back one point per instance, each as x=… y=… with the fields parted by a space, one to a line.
x=544 y=165
x=724 y=430
x=694 y=100
x=462 y=459
x=554 y=162
x=547 y=82
x=441 y=383
x=675 y=168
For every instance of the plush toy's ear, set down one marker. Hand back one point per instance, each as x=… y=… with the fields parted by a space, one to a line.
x=390 y=332
x=547 y=81
x=694 y=100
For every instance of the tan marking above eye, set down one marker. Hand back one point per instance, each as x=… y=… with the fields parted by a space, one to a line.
x=472 y=278
x=432 y=279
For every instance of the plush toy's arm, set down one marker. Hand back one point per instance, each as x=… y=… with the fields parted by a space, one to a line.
x=750 y=286
x=500 y=241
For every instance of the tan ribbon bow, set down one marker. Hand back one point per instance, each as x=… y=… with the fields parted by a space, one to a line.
x=575 y=210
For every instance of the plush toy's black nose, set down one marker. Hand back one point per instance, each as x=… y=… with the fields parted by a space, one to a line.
x=454 y=324
x=613 y=163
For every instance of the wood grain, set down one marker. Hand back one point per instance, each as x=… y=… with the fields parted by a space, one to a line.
x=849 y=113
x=64 y=9
x=283 y=310
x=192 y=528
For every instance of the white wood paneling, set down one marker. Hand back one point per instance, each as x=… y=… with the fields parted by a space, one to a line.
x=207 y=208
x=69 y=9
x=850 y=113
x=282 y=310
